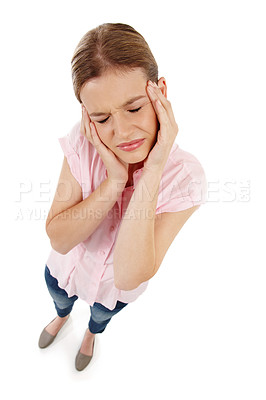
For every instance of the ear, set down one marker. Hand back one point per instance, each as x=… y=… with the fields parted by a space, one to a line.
x=162 y=86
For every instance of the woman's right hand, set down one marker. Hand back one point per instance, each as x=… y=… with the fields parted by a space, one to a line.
x=117 y=171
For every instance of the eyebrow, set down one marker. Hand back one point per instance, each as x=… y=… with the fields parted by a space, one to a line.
x=127 y=103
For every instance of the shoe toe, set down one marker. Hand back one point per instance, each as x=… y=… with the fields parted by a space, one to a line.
x=45 y=339
x=82 y=360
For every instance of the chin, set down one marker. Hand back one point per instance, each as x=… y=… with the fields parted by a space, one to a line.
x=135 y=158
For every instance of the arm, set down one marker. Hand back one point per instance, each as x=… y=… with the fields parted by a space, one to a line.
x=71 y=219
x=134 y=252
x=166 y=227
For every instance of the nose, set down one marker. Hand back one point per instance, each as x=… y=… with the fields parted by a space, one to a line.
x=121 y=125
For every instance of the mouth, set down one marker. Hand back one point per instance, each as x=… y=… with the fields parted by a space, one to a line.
x=131 y=145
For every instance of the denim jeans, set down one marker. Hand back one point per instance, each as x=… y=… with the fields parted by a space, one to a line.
x=100 y=315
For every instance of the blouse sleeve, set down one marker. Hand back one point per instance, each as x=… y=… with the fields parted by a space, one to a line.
x=184 y=187
x=70 y=147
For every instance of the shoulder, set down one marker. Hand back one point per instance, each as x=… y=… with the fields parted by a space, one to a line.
x=184 y=166
x=183 y=183
x=179 y=157
x=75 y=137
x=75 y=142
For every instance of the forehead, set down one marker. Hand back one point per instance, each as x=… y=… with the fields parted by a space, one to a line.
x=111 y=90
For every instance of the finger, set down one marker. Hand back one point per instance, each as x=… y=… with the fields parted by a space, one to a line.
x=152 y=96
x=90 y=128
x=156 y=93
x=162 y=113
x=82 y=127
x=101 y=148
x=87 y=121
x=94 y=134
x=158 y=107
x=164 y=117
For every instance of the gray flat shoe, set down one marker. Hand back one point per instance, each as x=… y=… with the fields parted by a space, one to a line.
x=82 y=360
x=46 y=338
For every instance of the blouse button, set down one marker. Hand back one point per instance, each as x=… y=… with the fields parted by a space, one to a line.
x=101 y=252
x=112 y=228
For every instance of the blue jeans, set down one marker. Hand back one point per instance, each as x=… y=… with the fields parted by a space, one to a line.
x=100 y=315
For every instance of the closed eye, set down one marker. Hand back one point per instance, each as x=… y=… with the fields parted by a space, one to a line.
x=132 y=111
x=103 y=121
x=137 y=109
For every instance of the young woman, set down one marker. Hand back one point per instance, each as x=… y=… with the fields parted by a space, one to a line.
x=125 y=188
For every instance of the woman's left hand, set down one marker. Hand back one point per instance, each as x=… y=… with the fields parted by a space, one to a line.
x=159 y=154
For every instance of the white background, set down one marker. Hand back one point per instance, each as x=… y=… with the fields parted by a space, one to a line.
x=198 y=332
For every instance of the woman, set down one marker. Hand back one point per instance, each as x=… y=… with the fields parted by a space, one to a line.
x=118 y=205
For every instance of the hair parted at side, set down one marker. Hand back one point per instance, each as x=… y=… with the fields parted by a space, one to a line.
x=111 y=46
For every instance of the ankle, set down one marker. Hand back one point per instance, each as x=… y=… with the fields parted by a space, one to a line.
x=89 y=333
x=63 y=318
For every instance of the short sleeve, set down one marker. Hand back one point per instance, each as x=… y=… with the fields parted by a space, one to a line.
x=183 y=186
x=70 y=146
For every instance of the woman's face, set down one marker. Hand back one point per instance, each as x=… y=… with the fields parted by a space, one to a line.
x=121 y=110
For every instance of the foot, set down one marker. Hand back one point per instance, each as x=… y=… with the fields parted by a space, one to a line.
x=54 y=327
x=87 y=344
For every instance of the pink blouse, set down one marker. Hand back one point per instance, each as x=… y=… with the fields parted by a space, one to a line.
x=87 y=269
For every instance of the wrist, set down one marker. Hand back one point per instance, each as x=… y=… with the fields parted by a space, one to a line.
x=152 y=177
x=154 y=171
x=118 y=185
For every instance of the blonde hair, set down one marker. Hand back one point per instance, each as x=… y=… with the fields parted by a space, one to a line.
x=111 y=46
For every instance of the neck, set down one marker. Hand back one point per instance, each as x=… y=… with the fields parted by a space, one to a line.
x=131 y=169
